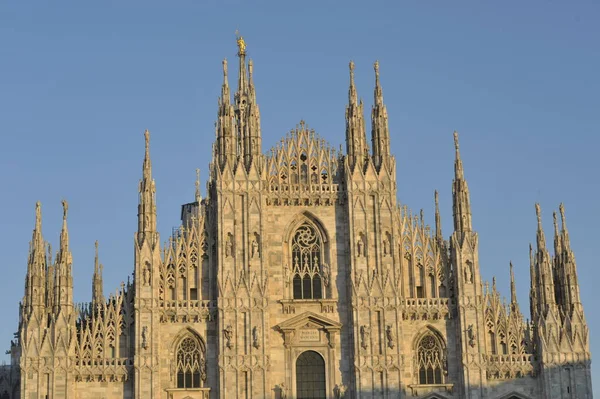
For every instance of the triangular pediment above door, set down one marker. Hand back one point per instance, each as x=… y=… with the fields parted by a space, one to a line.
x=310 y=320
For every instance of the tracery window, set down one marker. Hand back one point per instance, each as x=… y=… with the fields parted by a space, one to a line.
x=191 y=365
x=306 y=260
x=430 y=360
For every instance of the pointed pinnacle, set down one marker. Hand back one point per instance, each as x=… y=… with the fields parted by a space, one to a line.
x=65 y=205
x=378 y=92
x=198 y=196
x=64 y=234
x=513 y=288
x=538 y=213
x=438 y=218
x=38 y=216
x=147 y=164
x=458 y=167
x=352 y=96
x=96 y=266
x=147 y=140
x=456 y=146
x=563 y=218
x=541 y=242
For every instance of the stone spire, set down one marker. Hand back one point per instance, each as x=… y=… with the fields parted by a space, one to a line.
x=460 y=194
x=198 y=196
x=534 y=284
x=379 y=122
x=227 y=141
x=147 y=200
x=247 y=112
x=438 y=218
x=547 y=296
x=567 y=269
x=63 y=282
x=564 y=231
x=36 y=265
x=557 y=236
x=356 y=141
x=64 y=254
x=97 y=284
x=514 y=305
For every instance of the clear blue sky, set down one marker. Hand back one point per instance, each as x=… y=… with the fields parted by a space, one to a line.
x=80 y=81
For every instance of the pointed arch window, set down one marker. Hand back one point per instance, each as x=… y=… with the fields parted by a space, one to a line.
x=431 y=360
x=307 y=254
x=191 y=364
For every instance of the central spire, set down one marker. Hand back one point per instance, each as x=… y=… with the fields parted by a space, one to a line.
x=247 y=113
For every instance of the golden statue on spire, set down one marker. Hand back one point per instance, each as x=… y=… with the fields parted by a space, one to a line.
x=241 y=43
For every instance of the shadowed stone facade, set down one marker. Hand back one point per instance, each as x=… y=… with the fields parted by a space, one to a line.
x=300 y=276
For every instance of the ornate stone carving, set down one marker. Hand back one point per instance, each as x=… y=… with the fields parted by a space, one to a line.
x=228 y=335
x=390 y=336
x=365 y=333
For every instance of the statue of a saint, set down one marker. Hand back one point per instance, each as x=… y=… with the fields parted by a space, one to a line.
x=389 y=334
x=228 y=334
x=229 y=246
x=365 y=332
x=468 y=273
x=255 y=251
x=145 y=337
x=386 y=247
x=360 y=247
x=255 y=340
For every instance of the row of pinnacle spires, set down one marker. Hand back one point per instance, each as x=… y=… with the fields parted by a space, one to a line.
x=553 y=282
x=48 y=284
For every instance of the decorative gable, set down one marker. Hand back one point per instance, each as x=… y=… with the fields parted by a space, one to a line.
x=309 y=328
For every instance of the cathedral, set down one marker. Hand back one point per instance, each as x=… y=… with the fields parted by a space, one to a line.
x=300 y=276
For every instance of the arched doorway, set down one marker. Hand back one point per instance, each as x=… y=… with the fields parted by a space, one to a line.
x=310 y=376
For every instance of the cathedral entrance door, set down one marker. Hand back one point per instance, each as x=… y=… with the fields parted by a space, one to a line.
x=310 y=376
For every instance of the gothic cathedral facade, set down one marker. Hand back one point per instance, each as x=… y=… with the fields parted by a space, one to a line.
x=300 y=276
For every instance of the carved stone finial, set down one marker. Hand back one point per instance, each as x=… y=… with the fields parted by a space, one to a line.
x=538 y=212
x=456 y=140
x=198 y=197
x=147 y=139
x=376 y=67
x=563 y=218
x=225 y=69
x=65 y=205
